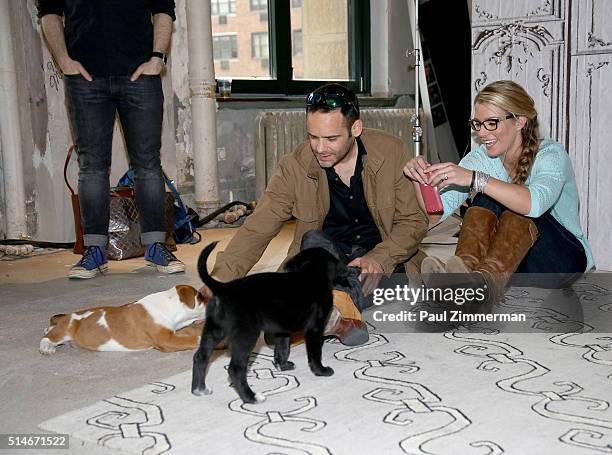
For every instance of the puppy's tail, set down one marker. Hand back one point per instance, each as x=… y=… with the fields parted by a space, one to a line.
x=215 y=286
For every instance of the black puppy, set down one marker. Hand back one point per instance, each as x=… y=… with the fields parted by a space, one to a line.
x=280 y=303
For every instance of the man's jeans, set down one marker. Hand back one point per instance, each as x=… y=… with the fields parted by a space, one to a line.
x=92 y=107
x=557 y=253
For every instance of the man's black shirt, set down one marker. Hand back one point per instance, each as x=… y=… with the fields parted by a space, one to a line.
x=108 y=37
x=349 y=222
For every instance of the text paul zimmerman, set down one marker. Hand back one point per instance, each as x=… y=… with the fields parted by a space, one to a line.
x=444 y=316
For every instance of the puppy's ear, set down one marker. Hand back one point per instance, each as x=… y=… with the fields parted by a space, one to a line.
x=297 y=262
x=341 y=269
x=341 y=274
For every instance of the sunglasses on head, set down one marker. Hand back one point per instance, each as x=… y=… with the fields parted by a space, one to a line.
x=489 y=124
x=332 y=100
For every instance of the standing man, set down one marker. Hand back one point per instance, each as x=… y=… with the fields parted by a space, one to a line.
x=345 y=185
x=112 y=53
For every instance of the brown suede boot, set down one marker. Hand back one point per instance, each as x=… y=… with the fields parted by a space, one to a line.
x=513 y=239
x=477 y=231
x=345 y=321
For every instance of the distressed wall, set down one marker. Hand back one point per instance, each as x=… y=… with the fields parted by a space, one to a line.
x=181 y=112
x=46 y=133
x=2 y=200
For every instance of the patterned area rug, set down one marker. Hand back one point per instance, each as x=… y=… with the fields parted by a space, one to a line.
x=467 y=390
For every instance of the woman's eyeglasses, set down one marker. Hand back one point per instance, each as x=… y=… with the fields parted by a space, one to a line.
x=489 y=124
x=331 y=100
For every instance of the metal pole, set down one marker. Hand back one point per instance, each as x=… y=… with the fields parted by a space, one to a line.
x=417 y=131
x=10 y=130
x=421 y=90
x=203 y=105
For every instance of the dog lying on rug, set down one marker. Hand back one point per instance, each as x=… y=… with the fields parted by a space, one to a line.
x=161 y=321
x=280 y=303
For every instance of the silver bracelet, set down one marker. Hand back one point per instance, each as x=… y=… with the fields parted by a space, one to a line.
x=480 y=181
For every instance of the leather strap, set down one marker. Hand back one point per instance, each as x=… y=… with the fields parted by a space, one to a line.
x=68 y=156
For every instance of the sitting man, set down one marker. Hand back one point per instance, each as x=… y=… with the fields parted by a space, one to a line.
x=345 y=184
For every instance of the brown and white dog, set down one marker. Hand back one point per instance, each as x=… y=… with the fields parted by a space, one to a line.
x=162 y=321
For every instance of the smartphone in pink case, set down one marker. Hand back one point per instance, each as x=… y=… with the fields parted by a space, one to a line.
x=432 y=199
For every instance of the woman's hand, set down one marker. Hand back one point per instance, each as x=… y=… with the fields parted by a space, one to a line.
x=445 y=174
x=415 y=169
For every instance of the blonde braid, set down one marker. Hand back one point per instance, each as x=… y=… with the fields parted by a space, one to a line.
x=531 y=144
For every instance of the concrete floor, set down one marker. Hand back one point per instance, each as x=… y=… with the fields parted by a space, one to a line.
x=33 y=387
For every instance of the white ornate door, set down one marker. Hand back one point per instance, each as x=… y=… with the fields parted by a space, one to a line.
x=524 y=40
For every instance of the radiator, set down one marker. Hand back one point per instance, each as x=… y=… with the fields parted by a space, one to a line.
x=279 y=132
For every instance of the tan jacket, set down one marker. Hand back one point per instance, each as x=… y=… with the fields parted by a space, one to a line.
x=299 y=188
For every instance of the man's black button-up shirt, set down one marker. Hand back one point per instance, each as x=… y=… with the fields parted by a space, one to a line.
x=108 y=37
x=349 y=221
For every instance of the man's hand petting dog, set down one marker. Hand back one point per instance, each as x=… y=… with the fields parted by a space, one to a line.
x=371 y=273
x=299 y=299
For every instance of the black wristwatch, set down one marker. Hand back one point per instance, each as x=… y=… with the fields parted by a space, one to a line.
x=161 y=55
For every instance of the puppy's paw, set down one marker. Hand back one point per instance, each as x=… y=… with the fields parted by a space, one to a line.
x=260 y=398
x=199 y=392
x=323 y=371
x=285 y=366
x=46 y=347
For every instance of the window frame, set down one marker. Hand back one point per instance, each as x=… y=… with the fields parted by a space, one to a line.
x=233 y=39
x=280 y=55
x=258 y=9
x=293 y=52
x=229 y=2
x=259 y=45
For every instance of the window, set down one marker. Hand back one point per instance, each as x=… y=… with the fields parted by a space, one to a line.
x=295 y=45
x=225 y=47
x=222 y=7
x=259 y=45
x=259 y=5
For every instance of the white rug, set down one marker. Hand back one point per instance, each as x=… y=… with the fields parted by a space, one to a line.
x=458 y=392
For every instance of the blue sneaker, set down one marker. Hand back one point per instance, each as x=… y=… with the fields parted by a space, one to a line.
x=93 y=262
x=159 y=256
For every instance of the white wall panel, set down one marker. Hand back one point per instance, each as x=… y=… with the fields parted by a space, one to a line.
x=593 y=29
x=532 y=54
x=590 y=142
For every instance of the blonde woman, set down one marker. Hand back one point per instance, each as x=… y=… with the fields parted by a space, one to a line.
x=524 y=215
